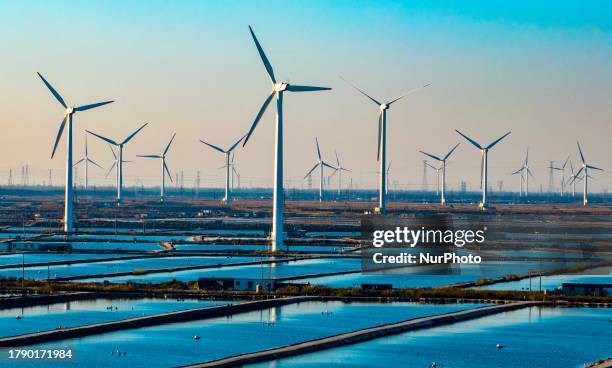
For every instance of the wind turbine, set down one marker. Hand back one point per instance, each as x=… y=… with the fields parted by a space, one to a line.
x=563 y=176
x=164 y=167
x=119 y=157
x=572 y=179
x=86 y=160
x=234 y=172
x=278 y=90
x=114 y=162
x=484 y=163
x=443 y=162
x=585 y=167
x=381 y=154
x=68 y=117
x=339 y=169
x=320 y=164
x=227 y=154
x=437 y=169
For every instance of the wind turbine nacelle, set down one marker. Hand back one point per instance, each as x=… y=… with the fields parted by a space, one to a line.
x=384 y=107
x=280 y=87
x=69 y=110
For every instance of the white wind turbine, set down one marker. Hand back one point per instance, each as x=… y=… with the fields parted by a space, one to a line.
x=68 y=117
x=339 y=169
x=278 y=90
x=119 y=157
x=525 y=172
x=114 y=165
x=585 y=167
x=443 y=162
x=437 y=169
x=86 y=160
x=227 y=154
x=164 y=166
x=563 y=183
x=484 y=163
x=320 y=164
x=572 y=179
x=381 y=154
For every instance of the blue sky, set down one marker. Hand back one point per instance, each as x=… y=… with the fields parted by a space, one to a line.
x=540 y=69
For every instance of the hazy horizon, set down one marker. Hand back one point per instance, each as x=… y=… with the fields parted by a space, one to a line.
x=541 y=70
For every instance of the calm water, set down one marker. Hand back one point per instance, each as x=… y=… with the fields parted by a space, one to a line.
x=548 y=282
x=82 y=312
x=15 y=258
x=172 y=344
x=247 y=247
x=533 y=337
x=294 y=268
x=119 y=266
x=428 y=278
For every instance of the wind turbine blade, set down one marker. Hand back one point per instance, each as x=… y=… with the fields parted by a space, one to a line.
x=213 y=146
x=78 y=162
x=328 y=165
x=497 y=140
x=53 y=91
x=432 y=156
x=86 y=145
x=571 y=167
x=333 y=172
x=234 y=171
x=595 y=168
x=168 y=172
x=389 y=166
x=311 y=170
x=527 y=157
x=408 y=93
x=235 y=144
x=91 y=106
x=565 y=163
x=476 y=144
x=133 y=134
x=581 y=155
x=169 y=143
x=103 y=138
x=318 y=150
x=263 y=56
x=294 y=88
x=379 y=134
x=221 y=167
x=451 y=152
x=430 y=165
x=360 y=90
x=337 y=159
x=59 y=134
x=482 y=155
x=112 y=151
x=149 y=156
x=95 y=164
x=258 y=117
x=517 y=171
x=345 y=169
x=579 y=171
x=110 y=169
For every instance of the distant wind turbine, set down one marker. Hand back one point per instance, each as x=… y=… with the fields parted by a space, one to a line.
x=572 y=179
x=484 y=164
x=227 y=153
x=585 y=167
x=443 y=162
x=381 y=154
x=164 y=166
x=339 y=169
x=86 y=160
x=437 y=169
x=525 y=172
x=119 y=162
x=68 y=117
x=278 y=90
x=320 y=164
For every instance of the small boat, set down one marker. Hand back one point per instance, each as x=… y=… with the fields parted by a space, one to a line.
x=499 y=346
x=18 y=317
x=196 y=337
